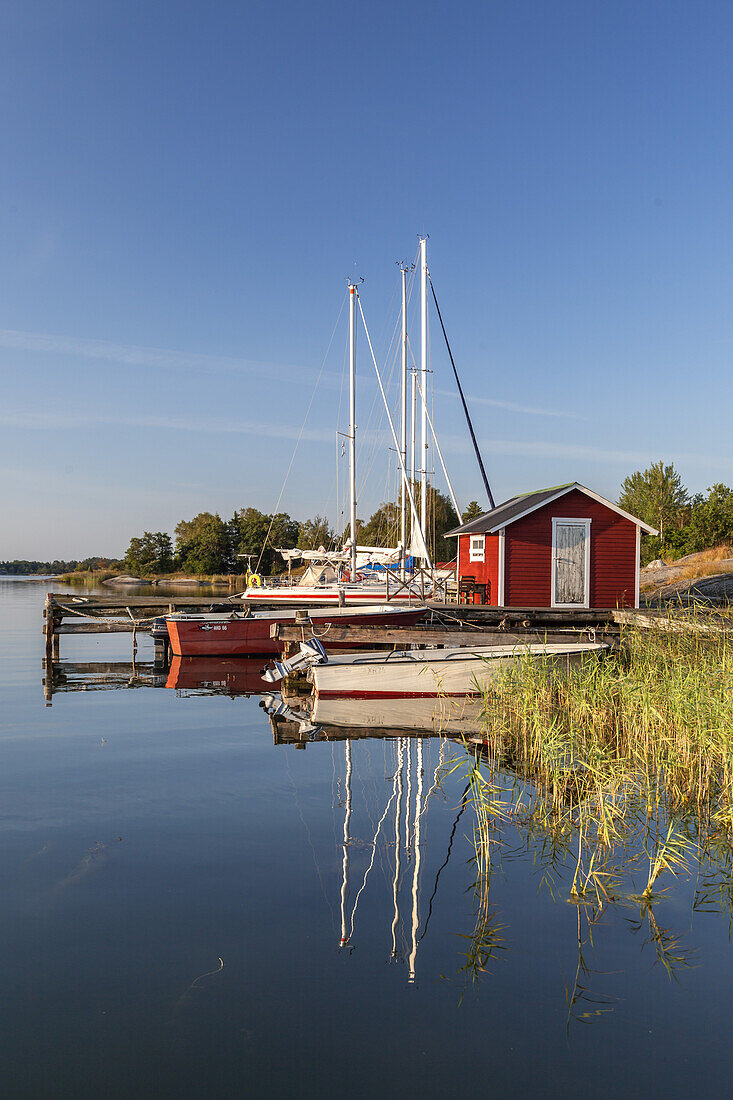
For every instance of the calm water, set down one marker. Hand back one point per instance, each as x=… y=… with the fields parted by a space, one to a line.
x=175 y=888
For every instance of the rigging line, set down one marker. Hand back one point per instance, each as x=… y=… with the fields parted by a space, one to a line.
x=440 y=456
x=463 y=401
x=310 y=841
x=443 y=742
x=371 y=862
x=300 y=433
x=424 y=550
x=464 y=802
x=376 y=417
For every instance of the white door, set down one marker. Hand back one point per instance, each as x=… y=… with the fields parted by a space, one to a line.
x=570 y=563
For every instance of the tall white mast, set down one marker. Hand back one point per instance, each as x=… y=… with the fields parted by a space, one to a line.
x=352 y=425
x=424 y=380
x=403 y=424
x=413 y=399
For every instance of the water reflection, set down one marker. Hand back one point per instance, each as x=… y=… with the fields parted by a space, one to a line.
x=505 y=802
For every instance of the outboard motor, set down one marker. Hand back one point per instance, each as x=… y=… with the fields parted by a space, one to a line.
x=159 y=630
x=310 y=653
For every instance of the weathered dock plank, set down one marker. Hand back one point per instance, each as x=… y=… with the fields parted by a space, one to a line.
x=414 y=635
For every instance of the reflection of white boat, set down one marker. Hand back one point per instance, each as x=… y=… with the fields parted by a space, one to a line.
x=431 y=716
x=435 y=672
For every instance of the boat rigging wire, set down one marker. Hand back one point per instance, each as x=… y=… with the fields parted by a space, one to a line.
x=300 y=433
x=413 y=508
x=463 y=401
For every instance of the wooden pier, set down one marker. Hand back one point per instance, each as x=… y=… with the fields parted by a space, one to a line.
x=444 y=624
x=68 y=613
x=451 y=625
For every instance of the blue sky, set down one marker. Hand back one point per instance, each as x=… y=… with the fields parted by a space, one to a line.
x=185 y=188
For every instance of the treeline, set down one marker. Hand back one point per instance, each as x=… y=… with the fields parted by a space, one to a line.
x=56 y=567
x=686 y=523
x=208 y=544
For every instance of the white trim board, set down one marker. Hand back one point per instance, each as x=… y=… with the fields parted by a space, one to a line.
x=570 y=521
x=637 y=567
x=502 y=568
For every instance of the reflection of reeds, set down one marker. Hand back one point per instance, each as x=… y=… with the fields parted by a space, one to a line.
x=623 y=775
x=486 y=939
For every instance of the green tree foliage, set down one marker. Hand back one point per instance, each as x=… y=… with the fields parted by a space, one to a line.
x=473 y=511
x=444 y=518
x=23 y=568
x=711 y=519
x=151 y=553
x=686 y=525
x=383 y=527
x=248 y=530
x=314 y=533
x=657 y=496
x=203 y=544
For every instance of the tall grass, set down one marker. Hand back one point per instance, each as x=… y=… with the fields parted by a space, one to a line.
x=617 y=777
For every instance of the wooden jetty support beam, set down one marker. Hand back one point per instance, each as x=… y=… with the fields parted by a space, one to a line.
x=68 y=613
x=482 y=626
x=376 y=636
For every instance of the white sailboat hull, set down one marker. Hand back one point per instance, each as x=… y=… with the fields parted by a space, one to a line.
x=438 y=672
x=344 y=595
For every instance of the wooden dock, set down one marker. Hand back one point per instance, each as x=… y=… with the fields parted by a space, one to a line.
x=68 y=613
x=452 y=625
x=445 y=623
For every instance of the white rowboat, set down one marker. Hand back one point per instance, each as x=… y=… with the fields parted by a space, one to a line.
x=435 y=672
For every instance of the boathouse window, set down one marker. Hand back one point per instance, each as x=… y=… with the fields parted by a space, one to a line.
x=476 y=548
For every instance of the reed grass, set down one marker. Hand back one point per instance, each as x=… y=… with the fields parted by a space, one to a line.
x=617 y=776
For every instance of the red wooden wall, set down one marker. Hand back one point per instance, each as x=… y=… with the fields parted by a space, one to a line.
x=527 y=581
x=486 y=571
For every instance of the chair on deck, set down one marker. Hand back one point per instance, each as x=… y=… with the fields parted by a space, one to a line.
x=469 y=589
x=466 y=589
x=483 y=591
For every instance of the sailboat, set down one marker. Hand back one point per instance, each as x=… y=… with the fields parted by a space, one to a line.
x=343 y=578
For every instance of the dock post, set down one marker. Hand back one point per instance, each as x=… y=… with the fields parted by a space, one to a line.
x=49 y=631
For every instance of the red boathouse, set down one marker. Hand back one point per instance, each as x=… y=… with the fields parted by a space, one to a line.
x=563 y=547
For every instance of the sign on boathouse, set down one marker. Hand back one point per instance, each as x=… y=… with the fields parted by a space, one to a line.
x=564 y=547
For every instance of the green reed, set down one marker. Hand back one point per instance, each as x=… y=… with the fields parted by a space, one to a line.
x=616 y=775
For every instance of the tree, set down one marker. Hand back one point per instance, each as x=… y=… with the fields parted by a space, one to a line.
x=657 y=496
x=473 y=511
x=256 y=533
x=202 y=544
x=314 y=533
x=383 y=528
x=711 y=519
x=151 y=553
x=444 y=518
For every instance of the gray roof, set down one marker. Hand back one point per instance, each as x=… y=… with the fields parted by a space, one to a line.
x=521 y=505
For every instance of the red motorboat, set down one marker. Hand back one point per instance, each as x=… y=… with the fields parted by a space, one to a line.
x=237 y=634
